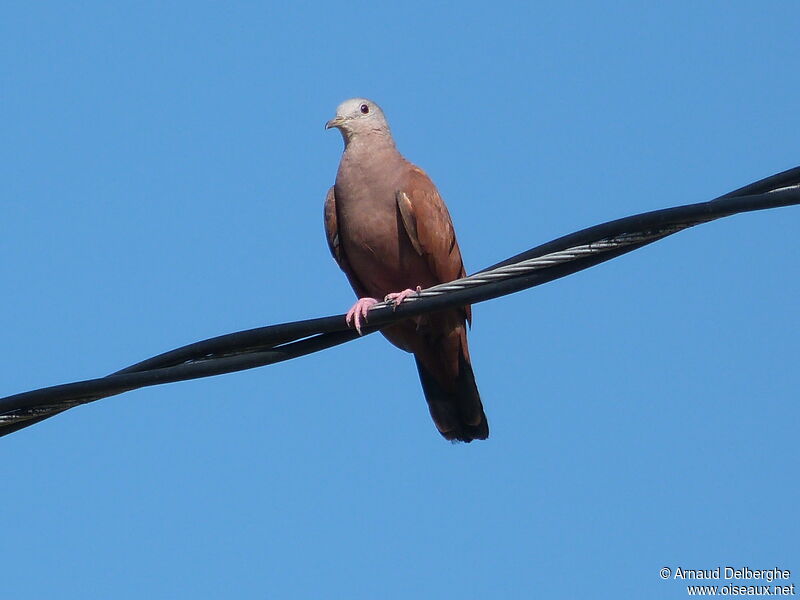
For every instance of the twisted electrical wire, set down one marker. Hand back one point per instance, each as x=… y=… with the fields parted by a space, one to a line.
x=276 y=343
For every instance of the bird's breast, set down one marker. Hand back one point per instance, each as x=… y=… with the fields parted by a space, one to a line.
x=372 y=234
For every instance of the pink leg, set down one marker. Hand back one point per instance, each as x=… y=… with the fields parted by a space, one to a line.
x=397 y=298
x=359 y=311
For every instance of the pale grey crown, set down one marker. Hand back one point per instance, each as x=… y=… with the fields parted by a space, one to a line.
x=357 y=116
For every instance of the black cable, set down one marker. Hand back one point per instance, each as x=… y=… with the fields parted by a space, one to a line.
x=276 y=343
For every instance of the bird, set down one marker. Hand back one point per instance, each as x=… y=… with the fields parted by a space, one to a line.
x=389 y=230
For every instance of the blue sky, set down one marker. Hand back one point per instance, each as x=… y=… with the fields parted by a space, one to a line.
x=162 y=174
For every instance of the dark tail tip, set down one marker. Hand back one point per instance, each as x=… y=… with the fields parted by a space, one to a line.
x=458 y=414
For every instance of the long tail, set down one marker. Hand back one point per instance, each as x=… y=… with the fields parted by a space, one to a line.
x=458 y=414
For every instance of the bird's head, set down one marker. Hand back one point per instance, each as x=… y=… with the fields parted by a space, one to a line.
x=358 y=116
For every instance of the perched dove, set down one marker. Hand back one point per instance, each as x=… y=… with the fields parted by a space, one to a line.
x=390 y=232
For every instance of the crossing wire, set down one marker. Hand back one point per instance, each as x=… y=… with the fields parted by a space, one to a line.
x=276 y=343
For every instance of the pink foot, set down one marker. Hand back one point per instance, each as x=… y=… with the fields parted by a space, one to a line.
x=359 y=311
x=397 y=298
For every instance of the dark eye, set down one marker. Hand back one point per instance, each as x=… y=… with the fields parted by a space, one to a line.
x=364 y=109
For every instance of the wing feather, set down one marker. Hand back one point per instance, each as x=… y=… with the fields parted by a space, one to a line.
x=332 y=235
x=429 y=227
